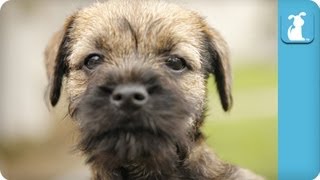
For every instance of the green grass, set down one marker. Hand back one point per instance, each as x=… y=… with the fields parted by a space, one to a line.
x=247 y=136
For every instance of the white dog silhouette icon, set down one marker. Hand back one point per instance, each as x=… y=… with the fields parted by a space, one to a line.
x=295 y=30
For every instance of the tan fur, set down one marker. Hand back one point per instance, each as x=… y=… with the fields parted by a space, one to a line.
x=158 y=27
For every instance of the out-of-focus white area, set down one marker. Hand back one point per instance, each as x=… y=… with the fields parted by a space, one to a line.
x=2 y=2
x=26 y=26
x=1 y=177
x=249 y=26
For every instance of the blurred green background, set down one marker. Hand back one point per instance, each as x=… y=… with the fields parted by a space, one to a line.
x=247 y=135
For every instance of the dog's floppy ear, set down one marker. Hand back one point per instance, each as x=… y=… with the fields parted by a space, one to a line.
x=219 y=66
x=291 y=16
x=56 y=54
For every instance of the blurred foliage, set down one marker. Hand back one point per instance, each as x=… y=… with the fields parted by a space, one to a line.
x=247 y=136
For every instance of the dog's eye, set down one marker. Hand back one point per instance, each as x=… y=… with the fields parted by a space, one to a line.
x=93 y=60
x=175 y=63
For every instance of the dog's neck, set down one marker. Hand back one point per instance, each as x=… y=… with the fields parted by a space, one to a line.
x=136 y=170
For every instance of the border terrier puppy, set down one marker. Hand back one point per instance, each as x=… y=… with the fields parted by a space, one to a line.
x=135 y=74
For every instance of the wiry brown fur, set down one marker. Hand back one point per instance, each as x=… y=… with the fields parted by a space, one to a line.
x=163 y=140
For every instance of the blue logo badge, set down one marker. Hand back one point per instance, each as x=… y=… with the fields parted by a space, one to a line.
x=297 y=28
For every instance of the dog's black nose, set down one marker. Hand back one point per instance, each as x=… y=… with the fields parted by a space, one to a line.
x=129 y=97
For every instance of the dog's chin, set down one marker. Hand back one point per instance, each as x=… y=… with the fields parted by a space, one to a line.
x=125 y=147
x=136 y=139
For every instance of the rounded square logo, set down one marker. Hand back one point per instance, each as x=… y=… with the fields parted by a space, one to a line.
x=297 y=27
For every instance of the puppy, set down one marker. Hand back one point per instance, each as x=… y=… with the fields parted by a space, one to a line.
x=135 y=75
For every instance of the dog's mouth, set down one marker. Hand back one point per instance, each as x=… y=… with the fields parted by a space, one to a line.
x=132 y=138
x=128 y=133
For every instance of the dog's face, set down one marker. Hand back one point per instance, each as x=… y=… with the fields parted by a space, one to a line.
x=135 y=75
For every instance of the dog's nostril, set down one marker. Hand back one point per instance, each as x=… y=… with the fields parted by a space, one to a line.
x=139 y=97
x=117 y=97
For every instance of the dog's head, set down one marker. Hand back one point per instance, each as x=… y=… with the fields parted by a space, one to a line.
x=135 y=76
